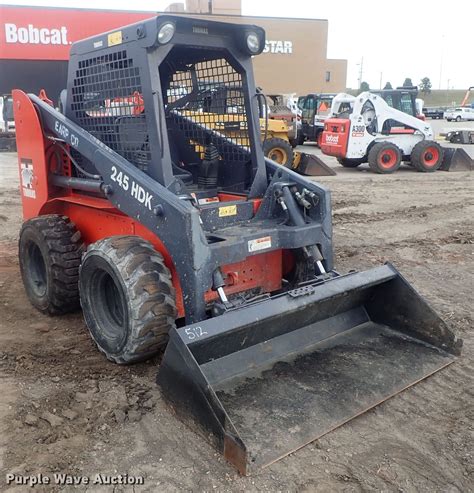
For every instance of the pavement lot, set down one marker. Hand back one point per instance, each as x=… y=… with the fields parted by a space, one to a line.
x=64 y=408
x=441 y=125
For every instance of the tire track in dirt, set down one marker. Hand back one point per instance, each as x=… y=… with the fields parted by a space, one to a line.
x=408 y=214
x=416 y=442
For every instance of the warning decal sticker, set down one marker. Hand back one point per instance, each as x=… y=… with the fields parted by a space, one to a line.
x=260 y=244
x=27 y=178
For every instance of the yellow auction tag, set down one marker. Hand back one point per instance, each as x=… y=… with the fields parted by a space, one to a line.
x=114 y=38
x=229 y=210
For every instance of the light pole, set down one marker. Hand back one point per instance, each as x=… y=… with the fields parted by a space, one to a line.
x=361 y=70
x=441 y=61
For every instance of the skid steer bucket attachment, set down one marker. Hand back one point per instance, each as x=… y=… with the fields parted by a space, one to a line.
x=310 y=165
x=264 y=380
x=456 y=159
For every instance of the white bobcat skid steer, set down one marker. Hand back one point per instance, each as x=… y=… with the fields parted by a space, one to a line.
x=374 y=132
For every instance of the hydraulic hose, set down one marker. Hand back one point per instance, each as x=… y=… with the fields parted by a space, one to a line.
x=260 y=95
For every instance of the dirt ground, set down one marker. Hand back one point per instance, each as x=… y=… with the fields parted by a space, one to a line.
x=64 y=408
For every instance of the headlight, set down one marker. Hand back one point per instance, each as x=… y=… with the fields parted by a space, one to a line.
x=166 y=32
x=253 y=43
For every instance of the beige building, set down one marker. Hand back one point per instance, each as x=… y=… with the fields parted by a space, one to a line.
x=295 y=58
x=223 y=7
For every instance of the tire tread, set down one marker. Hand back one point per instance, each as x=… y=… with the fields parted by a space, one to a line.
x=65 y=248
x=374 y=153
x=150 y=295
x=273 y=142
x=416 y=155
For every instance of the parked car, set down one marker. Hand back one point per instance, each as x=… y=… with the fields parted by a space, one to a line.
x=459 y=114
x=435 y=113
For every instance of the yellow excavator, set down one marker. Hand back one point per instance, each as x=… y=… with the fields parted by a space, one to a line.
x=277 y=146
x=219 y=112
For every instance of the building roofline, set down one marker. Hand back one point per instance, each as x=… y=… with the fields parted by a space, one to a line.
x=50 y=7
x=251 y=16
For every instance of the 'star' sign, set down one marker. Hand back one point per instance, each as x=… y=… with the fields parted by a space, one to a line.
x=284 y=47
x=35 y=35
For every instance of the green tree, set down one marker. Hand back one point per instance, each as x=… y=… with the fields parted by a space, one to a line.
x=408 y=82
x=425 y=85
x=364 y=86
x=388 y=85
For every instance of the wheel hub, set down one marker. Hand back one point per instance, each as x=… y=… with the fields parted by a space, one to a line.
x=37 y=270
x=430 y=157
x=278 y=155
x=109 y=307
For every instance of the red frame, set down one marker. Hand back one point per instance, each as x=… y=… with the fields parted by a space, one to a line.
x=335 y=137
x=97 y=218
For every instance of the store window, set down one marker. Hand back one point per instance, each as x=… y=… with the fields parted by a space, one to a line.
x=328 y=76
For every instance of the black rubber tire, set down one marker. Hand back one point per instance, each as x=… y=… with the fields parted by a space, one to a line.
x=458 y=119
x=50 y=251
x=420 y=153
x=377 y=154
x=127 y=298
x=293 y=142
x=349 y=163
x=279 y=150
x=319 y=138
x=301 y=138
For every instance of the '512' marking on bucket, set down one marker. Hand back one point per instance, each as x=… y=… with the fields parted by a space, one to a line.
x=195 y=332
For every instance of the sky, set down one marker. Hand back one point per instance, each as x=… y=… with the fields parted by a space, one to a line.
x=393 y=40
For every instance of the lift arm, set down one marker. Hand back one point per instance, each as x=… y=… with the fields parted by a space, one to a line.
x=373 y=107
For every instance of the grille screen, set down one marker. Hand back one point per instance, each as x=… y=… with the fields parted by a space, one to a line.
x=107 y=102
x=206 y=102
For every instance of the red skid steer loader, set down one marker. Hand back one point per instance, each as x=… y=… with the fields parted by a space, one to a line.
x=174 y=235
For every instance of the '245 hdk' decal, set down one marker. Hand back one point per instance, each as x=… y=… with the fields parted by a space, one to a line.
x=136 y=191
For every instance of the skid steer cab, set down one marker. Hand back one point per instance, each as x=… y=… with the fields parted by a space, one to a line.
x=163 y=220
x=373 y=132
x=314 y=109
